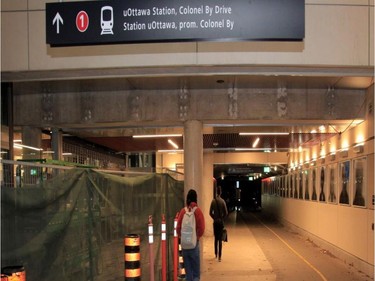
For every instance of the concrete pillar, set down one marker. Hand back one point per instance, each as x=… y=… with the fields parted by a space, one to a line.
x=205 y=202
x=57 y=144
x=207 y=190
x=31 y=137
x=193 y=167
x=193 y=157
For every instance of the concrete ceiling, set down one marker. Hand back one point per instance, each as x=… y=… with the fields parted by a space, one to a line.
x=217 y=137
x=225 y=136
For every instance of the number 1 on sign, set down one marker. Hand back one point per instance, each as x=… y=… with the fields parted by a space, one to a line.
x=82 y=21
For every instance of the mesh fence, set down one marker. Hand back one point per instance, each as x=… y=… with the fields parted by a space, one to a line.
x=72 y=226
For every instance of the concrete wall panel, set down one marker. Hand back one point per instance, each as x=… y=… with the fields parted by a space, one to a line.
x=13 y=5
x=327 y=227
x=348 y=228
x=336 y=34
x=352 y=223
x=370 y=238
x=14 y=41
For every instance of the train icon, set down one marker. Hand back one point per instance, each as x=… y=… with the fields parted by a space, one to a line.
x=106 y=20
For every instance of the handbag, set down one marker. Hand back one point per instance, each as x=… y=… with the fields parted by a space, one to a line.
x=224 y=237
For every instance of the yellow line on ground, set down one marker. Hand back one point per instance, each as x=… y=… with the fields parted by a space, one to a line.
x=294 y=251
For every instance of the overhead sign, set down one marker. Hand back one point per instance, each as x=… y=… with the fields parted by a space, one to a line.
x=143 y=21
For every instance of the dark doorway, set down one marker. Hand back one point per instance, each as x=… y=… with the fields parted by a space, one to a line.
x=241 y=193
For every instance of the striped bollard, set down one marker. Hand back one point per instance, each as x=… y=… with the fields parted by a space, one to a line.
x=132 y=257
x=151 y=247
x=163 y=249
x=175 y=249
x=181 y=266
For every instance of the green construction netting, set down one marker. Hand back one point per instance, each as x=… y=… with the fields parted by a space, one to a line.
x=72 y=227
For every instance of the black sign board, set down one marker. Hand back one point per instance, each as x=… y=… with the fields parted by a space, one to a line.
x=142 y=21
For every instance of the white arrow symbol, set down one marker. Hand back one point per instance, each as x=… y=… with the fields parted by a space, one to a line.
x=57 y=19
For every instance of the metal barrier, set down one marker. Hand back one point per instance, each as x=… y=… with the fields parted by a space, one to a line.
x=23 y=174
x=106 y=222
x=26 y=173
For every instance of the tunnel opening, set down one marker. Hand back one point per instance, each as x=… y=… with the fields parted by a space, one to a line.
x=240 y=193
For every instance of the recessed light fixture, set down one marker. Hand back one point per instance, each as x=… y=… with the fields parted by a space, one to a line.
x=157 y=136
x=358 y=148
x=249 y=149
x=19 y=146
x=173 y=143
x=344 y=153
x=170 y=150
x=255 y=143
x=332 y=156
x=264 y=134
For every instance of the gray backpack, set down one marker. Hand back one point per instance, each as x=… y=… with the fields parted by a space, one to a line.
x=188 y=230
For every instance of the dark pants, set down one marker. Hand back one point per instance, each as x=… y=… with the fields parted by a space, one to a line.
x=192 y=263
x=218 y=233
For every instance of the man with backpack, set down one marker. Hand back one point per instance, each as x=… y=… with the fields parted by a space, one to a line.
x=190 y=228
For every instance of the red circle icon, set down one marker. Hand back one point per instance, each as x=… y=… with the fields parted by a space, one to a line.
x=82 y=21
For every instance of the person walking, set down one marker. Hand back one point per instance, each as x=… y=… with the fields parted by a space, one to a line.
x=218 y=212
x=191 y=255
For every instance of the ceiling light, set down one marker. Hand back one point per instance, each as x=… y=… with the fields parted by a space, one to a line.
x=255 y=143
x=170 y=150
x=344 y=153
x=357 y=121
x=358 y=148
x=249 y=149
x=158 y=136
x=264 y=134
x=332 y=156
x=19 y=146
x=173 y=143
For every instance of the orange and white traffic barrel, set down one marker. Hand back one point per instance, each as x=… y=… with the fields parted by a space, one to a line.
x=132 y=257
x=13 y=273
x=181 y=266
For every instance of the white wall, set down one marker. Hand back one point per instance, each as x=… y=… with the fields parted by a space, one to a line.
x=348 y=228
